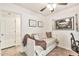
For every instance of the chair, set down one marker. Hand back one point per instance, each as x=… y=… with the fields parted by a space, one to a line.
x=74 y=44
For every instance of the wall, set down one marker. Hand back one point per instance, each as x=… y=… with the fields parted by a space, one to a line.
x=64 y=38
x=25 y=15
x=64 y=35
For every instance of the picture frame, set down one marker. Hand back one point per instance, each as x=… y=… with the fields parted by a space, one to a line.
x=40 y=24
x=77 y=22
x=65 y=23
x=32 y=23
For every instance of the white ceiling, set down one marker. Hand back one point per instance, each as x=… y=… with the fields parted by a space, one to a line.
x=36 y=7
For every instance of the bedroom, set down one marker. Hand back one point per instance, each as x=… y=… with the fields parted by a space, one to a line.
x=28 y=19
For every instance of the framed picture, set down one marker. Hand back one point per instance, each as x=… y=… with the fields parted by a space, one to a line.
x=65 y=24
x=32 y=23
x=40 y=24
x=77 y=22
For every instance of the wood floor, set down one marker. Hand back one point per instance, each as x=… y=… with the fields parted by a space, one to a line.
x=14 y=51
x=58 y=51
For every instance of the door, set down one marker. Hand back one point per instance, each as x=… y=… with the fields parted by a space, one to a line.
x=7 y=30
x=10 y=31
x=2 y=32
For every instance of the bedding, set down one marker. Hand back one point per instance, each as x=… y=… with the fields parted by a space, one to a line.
x=50 y=45
x=38 y=50
x=38 y=36
x=42 y=35
x=45 y=43
x=25 y=39
x=49 y=34
x=50 y=41
x=41 y=43
x=29 y=48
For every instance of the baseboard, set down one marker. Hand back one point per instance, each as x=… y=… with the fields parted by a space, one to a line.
x=8 y=47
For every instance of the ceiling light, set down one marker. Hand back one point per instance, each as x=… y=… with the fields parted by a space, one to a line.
x=54 y=5
x=49 y=6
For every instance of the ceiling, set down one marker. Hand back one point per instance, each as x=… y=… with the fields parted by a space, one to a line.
x=36 y=7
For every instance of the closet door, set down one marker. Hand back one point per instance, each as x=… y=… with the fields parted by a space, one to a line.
x=2 y=32
x=8 y=30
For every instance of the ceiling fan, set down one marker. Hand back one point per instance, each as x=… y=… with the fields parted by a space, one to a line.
x=52 y=6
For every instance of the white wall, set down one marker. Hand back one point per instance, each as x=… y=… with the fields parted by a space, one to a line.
x=25 y=16
x=64 y=35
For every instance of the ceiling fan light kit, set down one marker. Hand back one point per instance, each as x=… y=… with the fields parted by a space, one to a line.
x=52 y=10
x=49 y=7
x=52 y=6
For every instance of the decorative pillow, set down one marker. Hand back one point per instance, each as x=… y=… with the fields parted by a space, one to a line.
x=36 y=36
x=42 y=36
x=49 y=34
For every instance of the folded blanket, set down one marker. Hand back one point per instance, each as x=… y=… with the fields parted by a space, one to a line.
x=25 y=39
x=37 y=42
x=41 y=43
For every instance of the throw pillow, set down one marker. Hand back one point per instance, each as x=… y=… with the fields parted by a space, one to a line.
x=49 y=34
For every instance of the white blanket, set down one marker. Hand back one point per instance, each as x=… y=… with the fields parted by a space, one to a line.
x=51 y=44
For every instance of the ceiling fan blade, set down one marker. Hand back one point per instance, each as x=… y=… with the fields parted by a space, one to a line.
x=43 y=9
x=62 y=3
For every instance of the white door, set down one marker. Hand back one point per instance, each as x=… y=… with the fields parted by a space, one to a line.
x=2 y=32
x=8 y=30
